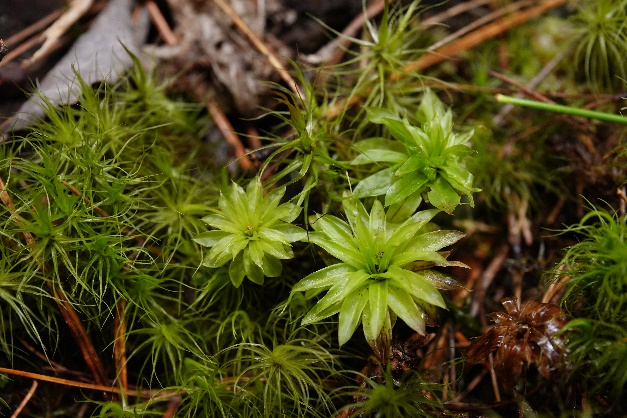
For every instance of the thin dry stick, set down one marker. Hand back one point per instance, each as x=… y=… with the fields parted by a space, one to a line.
x=471 y=40
x=270 y=169
x=477 y=37
x=521 y=87
x=495 y=384
x=326 y=53
x=340 y=106
x=261 y=47
x=29 y=395
x=470 y=386
x=34 y=28
x=436 y=351
x=532 y=84
x=146 y=394
x=553 y=293
x=92 y=359
x=77 y=9
x=486 y=279
x=556 y=286
x=454 y=11
x=253 y=137
x=575 y=122
x=20 y=49
x=511 y=8
x=555 y=212
x=623 y=200
x=452 y=350
x=53 y=365
x=460 y=297
x=119 y=345
x=161 y=24
x=517 y=222
x=332 y=52
x=8 y=202
x=229 y=134
x=173 y=404
x=602 y=101
x=462 y=341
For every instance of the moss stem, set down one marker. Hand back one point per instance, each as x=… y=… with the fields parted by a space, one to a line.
x=568 y=110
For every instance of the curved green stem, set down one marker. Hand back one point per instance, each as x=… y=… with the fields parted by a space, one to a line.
x=568 y=110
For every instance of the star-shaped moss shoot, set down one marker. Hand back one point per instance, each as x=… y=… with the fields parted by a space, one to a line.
x=252 y=231
x=382 y=273
x=426 y=161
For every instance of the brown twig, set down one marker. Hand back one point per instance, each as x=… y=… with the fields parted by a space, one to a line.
x=469 y=41
x=511 y=8
x=261 y=47
x=470 y=386
x=161 y=23
x=577 y=123
x=51 y=36
x=495 y=383
x=435 y=353
x=228 y=132
x=556 y=287
x=620 y=192
x=486 y=279
x=532 y=84
x=602 y=101
x=92 y=359
x=454 y=11
x=518 y=224
x=26 y=33
x=477 y=37
x=20 y=49
x=38 y=26
x=146 y=394
x=54 y=366
x=521 y=87
x=22 y=404
x=555 y=212
x=5 y=197
x=173 y=405
x=474 y=274
x=253 y=137
x=119 y=345
x=331 y=53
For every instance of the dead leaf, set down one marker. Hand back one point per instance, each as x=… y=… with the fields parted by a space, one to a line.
x=521 y=336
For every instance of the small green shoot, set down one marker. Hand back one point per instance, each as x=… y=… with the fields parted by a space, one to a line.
x=375 y=280
x=409 y=396
x=423 y=161
x=601 y=27
x=597 y=266
x=253 y=233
